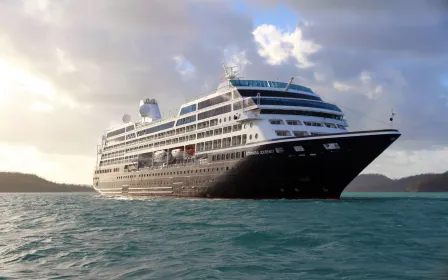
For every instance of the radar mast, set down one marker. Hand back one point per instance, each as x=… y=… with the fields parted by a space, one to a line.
x=230 y=72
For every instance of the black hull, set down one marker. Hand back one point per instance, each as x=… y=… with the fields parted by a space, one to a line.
x=265 y=172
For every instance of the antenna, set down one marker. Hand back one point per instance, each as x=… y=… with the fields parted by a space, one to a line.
x=392 y=118
x=289 y=83
x=230 y=73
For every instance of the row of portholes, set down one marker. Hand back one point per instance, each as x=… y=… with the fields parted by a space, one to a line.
x=250 y=135
x=152 y=183
x=255 y=137
x=180 y=172
x=245 y=125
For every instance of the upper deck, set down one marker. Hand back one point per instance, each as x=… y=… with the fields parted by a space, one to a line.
x=231 y=94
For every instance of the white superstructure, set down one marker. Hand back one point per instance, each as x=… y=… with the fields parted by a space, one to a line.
x=240 y=112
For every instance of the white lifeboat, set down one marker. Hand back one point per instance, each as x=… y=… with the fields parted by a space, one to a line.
x=160 y=156
x=178 y=153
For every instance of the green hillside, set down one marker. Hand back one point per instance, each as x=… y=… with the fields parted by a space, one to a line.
x=20 y=182
x=431 y=182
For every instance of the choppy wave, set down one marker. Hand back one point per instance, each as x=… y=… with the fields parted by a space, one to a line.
x=87 y=236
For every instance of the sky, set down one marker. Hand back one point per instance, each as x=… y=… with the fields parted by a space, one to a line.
x=71 y=69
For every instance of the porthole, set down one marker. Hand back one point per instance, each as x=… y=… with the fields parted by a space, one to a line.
x=251 y=125
x=245 y=126
x=250 y=137
x=256 y=135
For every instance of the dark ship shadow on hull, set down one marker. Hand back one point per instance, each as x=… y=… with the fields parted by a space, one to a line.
x=315 y=172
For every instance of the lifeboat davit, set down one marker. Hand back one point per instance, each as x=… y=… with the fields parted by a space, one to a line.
x=190 y=151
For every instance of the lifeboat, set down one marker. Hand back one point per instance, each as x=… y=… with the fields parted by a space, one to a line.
x=178 y=153
x=160 y=156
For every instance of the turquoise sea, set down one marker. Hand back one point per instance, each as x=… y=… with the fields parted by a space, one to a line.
x=361 y=236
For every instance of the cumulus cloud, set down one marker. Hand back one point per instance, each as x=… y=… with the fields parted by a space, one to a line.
x=374 y=56
x=93 y=62
x=278 y=47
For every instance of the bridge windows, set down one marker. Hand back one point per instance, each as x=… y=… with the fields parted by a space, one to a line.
x=297 y=102
x=300 y=113
x=272 y=93
x=215 y=100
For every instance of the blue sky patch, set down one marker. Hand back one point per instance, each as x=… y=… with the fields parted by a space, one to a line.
x=444 y=80
x=281 y=16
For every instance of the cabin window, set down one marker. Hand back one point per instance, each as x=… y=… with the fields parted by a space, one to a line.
x=293 y=122
x=313 y=124
x=300 y=133
x=234 y=141
x=213 y=122
x=237 y=105
x=191 y=128
x=283 y=133
x=237 y=127
x=208 y=145
x=215 y=112
x=275 y=122
x=218 y=131
x=188 y=109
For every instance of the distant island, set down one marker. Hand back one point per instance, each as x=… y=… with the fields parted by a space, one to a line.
x=431 y=182
x=21 y=182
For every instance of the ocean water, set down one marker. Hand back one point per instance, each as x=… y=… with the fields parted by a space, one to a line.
x=87 y=236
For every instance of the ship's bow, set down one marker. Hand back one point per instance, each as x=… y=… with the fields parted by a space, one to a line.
x=315 y=167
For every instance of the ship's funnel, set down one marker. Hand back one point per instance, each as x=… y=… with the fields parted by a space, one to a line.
x=149 y=110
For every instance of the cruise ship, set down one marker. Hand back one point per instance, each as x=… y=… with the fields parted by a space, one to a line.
x=250 y=139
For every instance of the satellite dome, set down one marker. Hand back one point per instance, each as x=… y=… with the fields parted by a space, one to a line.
x=126 y=118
